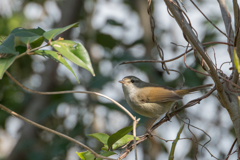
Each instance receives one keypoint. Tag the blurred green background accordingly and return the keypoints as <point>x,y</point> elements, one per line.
<point>113,31</point>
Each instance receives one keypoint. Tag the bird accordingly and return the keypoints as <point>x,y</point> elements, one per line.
<point>152,100</point>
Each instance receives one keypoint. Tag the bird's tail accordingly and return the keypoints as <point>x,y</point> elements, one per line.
<point>183,92</point>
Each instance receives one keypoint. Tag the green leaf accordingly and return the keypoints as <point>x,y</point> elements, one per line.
<point>105,147</point>
<point>101,137</point>
<point>55,32</point>
<point>86,155</point>
<point>74,52</point>
<point>118,135</point>
<point>29,35</point>
<point>57,57</point>
<point>106,154</point>
<point>124,140</point>
<point>7,48</point>
<point>236,60</point>
<point>22,32</point>
<point>37,43</point>
<point>5,64</point>
<point>21,49</point>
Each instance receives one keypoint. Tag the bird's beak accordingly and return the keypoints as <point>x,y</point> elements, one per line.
<point>121,82</point>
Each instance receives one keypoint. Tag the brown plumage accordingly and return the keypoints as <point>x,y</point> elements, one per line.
<point>152,100</point>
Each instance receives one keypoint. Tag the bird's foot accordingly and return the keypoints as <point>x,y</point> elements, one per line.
<point>168,116</point>
<point>149,133</point>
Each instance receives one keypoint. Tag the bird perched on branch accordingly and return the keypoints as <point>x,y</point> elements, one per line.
<point>152,100</point>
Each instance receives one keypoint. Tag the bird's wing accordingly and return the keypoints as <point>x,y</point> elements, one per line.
<point>157,95</point>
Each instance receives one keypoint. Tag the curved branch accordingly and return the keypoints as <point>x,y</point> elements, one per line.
<point>237,36</point>
<point>163,120</point>
<point>169,60</point>
<point>67,92</point>
<point>210,21</point>
<point>192,39</point>
<point>53,131</point>
<point>27,52</point>
<point>228,25</point>
<point>156,61</point>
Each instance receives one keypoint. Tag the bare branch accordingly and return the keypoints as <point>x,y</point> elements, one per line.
<point>154,39</point>
<point>229,153</point>
<point>169,60</point>
<point>192,141</point>
<point>187,30</point>
<point>237,36</point>
<point>67,92</point>
<point>189,104</point>
<point>210,21</point>
<point>156,61</point>
<point>228,25</point>
<point>53,131</point>
<point>192,68</point>
<point>163,120</point>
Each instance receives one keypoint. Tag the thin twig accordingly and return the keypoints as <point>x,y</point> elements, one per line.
<point>169,60</point>
<point>183,79</point>
<point>52,131</point>
<point>235,85</point>
<point>229,153</point>
<point>154,39</point>
<point>134,135</point>
<point>190,140</point>
<point>215,56</point>
<point>194,69</point>
<point>156,61</point>
<point>163,120</point>
<point>224,63</point>
<point>189,104</point>
<point>210,21</point>
<point>197,129</point>
<point>27,52</point>
<point>182,22</point>
<point>195,138</point>
<point>235,91</point>
<point>67,92</point>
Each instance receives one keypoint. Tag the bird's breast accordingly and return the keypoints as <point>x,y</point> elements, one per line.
<point>147,109</point>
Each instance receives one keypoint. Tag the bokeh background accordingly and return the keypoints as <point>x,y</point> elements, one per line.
<point>113,31</point>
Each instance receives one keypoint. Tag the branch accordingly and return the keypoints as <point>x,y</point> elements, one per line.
<point>189,104</point>
<point>53,131</point>
<point>171,155</point>
<point>27,52</point>
<point>154,39</point>
<point>237,36</point>
<point>193,40</point>
<point>190,35</point>
<point>228,25</point>
<point>169,60</point>
<point>233,107</point>
<point>210,21</point>
<point>67,92</point>
<point>163,120</point>
<point>229,153</point>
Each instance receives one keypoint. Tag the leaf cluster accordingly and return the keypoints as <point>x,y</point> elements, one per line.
<point>34,40</point>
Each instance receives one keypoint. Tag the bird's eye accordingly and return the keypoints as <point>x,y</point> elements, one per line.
<point>132,81</point>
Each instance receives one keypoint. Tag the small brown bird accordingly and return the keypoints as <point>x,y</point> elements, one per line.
<point>152,100</point>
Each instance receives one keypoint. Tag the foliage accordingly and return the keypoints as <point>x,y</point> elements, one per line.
<point>113,142</point>
<point>73,51</point>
